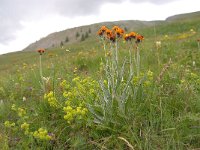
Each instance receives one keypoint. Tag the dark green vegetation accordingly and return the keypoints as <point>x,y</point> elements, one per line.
<point>77,105</point>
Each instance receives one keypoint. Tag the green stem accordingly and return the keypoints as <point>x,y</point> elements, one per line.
<point>41,74</point>
<point>138,60</point>
<point>131,65</point>
<point>158,55</point>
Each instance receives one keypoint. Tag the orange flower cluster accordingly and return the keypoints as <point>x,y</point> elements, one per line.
<point>113,34</point>
<point>102,30</point>
<point>41,51</point>
<point>133,35</point>
<point>139,38</point>
<point>117,32</point>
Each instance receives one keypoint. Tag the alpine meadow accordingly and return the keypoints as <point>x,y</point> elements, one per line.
<point>125,85</point>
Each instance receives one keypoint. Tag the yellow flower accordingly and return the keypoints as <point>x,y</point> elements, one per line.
<point>13,107</point>
<point>42,134</point>
<point>68,108</point>
<point>25,126</point>
<point>51,99</point>
<point>9,124</point>
<point>21,112</point>
<point>68,116</point>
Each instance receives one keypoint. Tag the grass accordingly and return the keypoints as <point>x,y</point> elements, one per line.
<point>92,102</point>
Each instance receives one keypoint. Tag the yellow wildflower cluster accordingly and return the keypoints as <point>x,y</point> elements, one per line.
<point>64,85</point>
<point>74,113</point>
<point>9,124</point>
<point>146,80</point>
<point>25,127</point>
<point>51,99</point>
<point>77,94</point>
<point>20,111</point>
<point>13,107</point>
<point>42,134</point>
<point>80,89</point>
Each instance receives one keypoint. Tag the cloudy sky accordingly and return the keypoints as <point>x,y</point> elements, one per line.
<point>25,21</point>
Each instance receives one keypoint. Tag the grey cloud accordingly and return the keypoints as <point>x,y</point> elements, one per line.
<point>14,11</point>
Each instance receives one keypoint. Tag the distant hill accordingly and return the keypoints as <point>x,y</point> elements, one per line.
<point>185,17</point>
<point>77,34</point>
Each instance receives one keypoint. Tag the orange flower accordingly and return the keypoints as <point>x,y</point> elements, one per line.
<point>139,38</point>
<point>115,28</point>
<point>127,37</point>
<point>119,31</point>
<point>100,33</point>
<point>111,36</point>
<point>102,30</point>
<point>41,51</point>
<point>108,32</point>
<point>132,35</point>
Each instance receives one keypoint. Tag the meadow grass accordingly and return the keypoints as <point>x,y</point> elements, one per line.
<point>97,101</point>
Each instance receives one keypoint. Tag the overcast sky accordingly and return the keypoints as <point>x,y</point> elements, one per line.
<point>24,21</point>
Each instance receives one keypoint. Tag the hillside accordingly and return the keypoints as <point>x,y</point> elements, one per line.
<point>184,17</point>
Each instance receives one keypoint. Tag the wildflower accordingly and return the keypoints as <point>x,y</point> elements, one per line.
<point>132,35</point>
<point>108,32</point>
<point>118,31</point>
<point>166,36</point>
<point>51,99</point>
<point>112,37</point>
<point>67,50</point>
<point>42,134</point>
<point>9,124</point>
<point>139,38</point>
<point>41,51</point>
<point>115,28</point>
<point>158,44</point>
<point>102,30</point>
<point>75,70</point>
<point>21,112</point>
<point>13,107</point>
<point>193,63</point>
<point>24,99</point>
<point>46,79</point>
<point>68,109</point>
<point>150,75</point>
<point>127,37</point>
<point>25,126</point>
